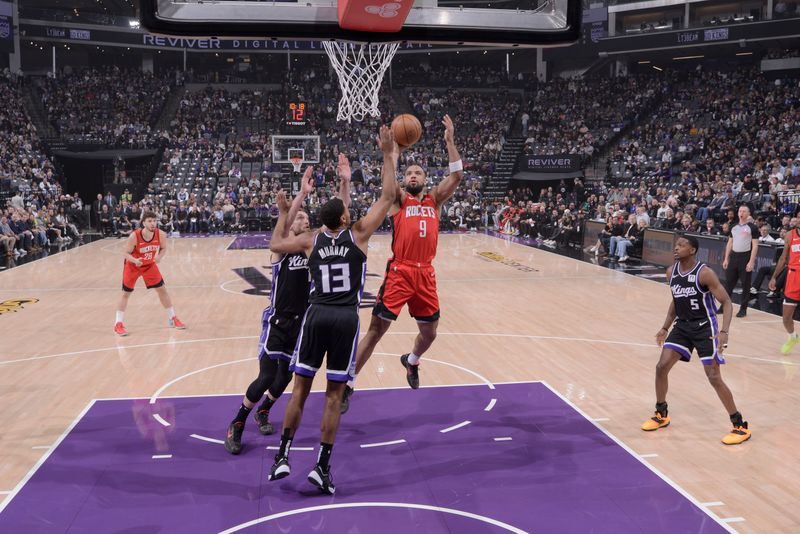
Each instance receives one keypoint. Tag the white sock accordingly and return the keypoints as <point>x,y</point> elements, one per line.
<point>120,314</point>
<point>171,312</point>
<point>413,359</point>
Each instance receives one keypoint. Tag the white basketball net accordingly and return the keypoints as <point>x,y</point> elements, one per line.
<point>360,68</point>
<point>296,163</point>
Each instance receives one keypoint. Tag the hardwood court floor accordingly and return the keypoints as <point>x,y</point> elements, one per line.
<point>509,313</point>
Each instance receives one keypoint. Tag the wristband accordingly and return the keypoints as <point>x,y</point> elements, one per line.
<point>723,331</point>
<point>456,166</point>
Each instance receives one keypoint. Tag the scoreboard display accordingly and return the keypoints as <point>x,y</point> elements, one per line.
<point>296,117</point>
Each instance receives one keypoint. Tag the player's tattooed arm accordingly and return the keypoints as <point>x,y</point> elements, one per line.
<point>448,186</point>
<point>345,173</point>
<point>709,279</point>
<point>782,262</point>
<point>306,187</point>
<point>281,242</point>
<point>661,335</point>
<point>367,225</point>
<point>130,245</point>
<point>162,249</point>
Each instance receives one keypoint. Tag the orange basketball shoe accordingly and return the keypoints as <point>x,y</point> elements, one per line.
<point>176,323</point>
<point>655,422</point>
<point>738,435</point>
<point>119,329</point>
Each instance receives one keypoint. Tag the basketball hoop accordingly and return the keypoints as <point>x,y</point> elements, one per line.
<point>360,67</point>
<point>297,162</point>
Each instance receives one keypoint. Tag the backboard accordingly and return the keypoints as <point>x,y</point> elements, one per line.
<point>450,22</point>
<point>285,147</point>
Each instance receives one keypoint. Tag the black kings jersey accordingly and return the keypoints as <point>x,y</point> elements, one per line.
<point>693,301</point>
<point>338,268</point>
<point>290,284</point>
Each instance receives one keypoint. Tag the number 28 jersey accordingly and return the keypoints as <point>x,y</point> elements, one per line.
<point>146,251</point>
<point>338,268</point>
<point>415,230</point>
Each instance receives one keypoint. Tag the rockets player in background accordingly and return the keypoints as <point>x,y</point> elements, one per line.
<point>791,293</point>
<point>410,277</point>
<point>143,250</point>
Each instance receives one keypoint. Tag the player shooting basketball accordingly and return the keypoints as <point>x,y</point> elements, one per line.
<point>410,277</point>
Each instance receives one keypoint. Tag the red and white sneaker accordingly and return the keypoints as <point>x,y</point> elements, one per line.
<point>119,329</point>
<point>177,324</point>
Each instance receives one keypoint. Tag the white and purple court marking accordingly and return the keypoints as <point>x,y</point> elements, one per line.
<point>465,459</point>
<point>250,241</point>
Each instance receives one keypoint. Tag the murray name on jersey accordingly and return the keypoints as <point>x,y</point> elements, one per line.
<point>337,268</point>
<point>333,250</point>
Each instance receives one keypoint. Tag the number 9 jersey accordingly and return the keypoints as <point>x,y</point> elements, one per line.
<point>410,277</point>
<point>415,230</point>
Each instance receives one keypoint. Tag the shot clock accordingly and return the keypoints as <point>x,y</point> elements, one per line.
<point>296,117</point>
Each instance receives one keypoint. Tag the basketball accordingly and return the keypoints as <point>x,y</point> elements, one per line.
<point>407,130</point>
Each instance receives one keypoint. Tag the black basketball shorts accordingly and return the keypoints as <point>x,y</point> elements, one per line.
<point>687,336</point>
<point>279,332</point>
<point>328,332</point>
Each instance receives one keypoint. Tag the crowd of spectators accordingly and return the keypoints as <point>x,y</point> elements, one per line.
<point>412,73</point>
<point>109,106</point>
<point>717,140</point>
<point>700,144</point>
<point>218,161</point>
<point>723,139</point>
<point>37,213</point>
<point>223,115</point>
<point>581,116</point>
<point>786,10</point>
<point>782,53</point>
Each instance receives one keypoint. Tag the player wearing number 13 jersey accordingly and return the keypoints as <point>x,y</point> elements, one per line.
<point>337,255</point>
<point>694,286</point>
<point>143,250</point>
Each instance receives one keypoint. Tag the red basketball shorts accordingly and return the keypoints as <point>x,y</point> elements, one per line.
<point>792,289</point>
<point>407,283</point>
<point>150,274</point>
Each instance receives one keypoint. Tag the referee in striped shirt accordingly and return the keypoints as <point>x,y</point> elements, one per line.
<point>740,257</point>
